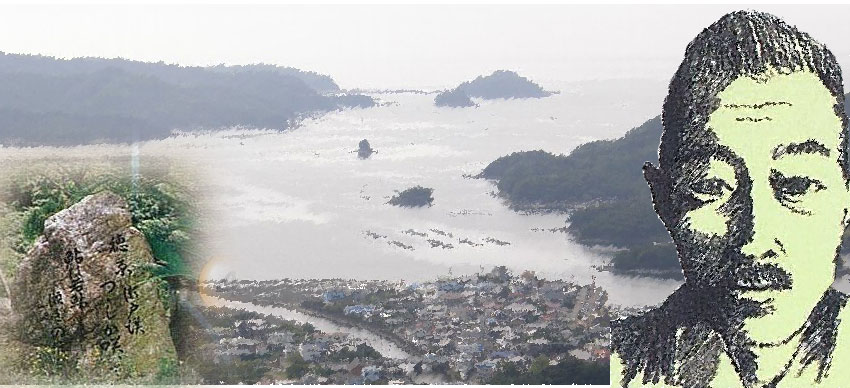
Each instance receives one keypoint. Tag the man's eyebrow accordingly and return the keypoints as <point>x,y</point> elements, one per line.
<point>753,119</point>
<point>758,106</point>
<point>807,147</point>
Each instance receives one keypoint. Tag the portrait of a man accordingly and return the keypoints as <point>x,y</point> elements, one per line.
<point>752,185</point>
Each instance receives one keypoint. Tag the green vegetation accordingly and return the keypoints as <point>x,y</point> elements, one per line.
<point>160,205</point>
<point>568,371</point>
<point>363,351</point>
<point>658,260</point>
<point>24,63</point>
<point>416,196</point>
<point>49,101</point>
<point>601,184</point>
<point>159,208</point>
<point>297,366</point>
<point>599,170</point>
<point>621,223</point>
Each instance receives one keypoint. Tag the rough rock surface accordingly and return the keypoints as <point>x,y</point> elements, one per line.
<point>85,288</point>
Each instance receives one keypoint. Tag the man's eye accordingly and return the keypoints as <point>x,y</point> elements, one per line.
<point>713,186</point>
<point>791,189</point>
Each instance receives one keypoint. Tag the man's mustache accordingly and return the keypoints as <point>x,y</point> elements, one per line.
<point>751,276</point>
<point>719,262</point>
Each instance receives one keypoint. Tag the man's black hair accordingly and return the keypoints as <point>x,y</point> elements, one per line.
<point>740,44</point>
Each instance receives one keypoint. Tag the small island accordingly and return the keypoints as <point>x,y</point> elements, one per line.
<point>417,196</point>
<point>454,98</point>
<point>501,84</point>
<point>364,149</point>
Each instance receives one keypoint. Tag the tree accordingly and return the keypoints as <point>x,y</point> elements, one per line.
<point>297,366</point>
<point>538,365</point>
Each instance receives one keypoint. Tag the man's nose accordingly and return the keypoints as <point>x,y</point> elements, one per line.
<point>763,242</point>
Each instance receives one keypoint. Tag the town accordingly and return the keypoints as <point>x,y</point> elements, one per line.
<point>485,328</point>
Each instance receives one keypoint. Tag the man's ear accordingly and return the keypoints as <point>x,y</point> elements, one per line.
<point>661,186</point>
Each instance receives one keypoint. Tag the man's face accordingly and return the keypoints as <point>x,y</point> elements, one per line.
<point>762,200</point>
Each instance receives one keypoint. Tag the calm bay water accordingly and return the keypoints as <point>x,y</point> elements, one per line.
<point>300,204</point>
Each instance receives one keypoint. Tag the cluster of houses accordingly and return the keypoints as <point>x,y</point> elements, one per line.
<point>273,345</point>
<point>457,329</point>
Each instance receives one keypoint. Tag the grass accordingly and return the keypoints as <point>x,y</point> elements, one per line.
<point>160,208</point>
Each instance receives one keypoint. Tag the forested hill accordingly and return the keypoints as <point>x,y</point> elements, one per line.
<point>49,101</point>
<point>599,170</point>
<point>181,75</point>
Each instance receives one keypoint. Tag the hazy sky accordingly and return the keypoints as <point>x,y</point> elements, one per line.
<point>398,46</point>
